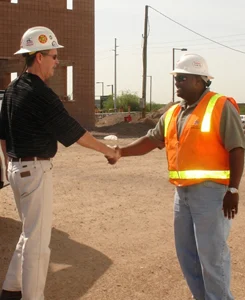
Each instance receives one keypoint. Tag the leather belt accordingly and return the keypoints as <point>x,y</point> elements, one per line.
<point>32,158</point>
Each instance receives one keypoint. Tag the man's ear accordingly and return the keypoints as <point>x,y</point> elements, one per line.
<point>39,57</point>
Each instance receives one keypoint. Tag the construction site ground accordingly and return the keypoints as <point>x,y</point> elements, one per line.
<point>112,236</point>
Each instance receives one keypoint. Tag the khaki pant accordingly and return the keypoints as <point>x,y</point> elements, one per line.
<point>32,186</point>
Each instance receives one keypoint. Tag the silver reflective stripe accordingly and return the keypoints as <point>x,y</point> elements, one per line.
<point>168,118</point>
<point>206,123</point>
<point>199,174</point>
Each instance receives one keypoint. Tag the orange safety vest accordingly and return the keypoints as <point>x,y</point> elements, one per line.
<point>198,155</point>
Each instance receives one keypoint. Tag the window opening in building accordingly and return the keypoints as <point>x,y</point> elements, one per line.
<point>69,73</point>
<point>13,76</point>
<point>69,4</point>
<point>14,1</point>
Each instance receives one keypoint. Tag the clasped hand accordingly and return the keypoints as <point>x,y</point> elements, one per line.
<point>114,156</point>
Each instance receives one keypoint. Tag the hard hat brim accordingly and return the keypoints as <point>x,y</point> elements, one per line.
<point>181,71</point>
<point>22,50</point>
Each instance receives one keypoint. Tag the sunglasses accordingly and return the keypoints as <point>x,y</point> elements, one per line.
<point>180,78</point>
<point>54,56</point>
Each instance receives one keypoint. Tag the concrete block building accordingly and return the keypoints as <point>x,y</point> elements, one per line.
<point>72,21</point>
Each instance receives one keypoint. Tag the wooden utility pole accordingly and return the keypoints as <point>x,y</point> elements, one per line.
<point>145,63</point>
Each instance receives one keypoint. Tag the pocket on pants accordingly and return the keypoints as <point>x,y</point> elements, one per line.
<point>28,179</point>
<point>46,165</point>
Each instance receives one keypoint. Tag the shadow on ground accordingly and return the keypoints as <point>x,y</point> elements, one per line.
<point>74,267</point>
<point>122,130</point>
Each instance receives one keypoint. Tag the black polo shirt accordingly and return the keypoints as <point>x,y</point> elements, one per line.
<point>33,119</point>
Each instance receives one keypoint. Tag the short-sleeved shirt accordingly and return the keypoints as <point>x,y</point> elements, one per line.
<point>231,131</point>
<point>33,119</point>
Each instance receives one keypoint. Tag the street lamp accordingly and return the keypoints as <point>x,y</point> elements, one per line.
<point>111,88</point>
<point>150,89</point>
<point>112,93</point>
<point>102,85</point>
<point>180,49</point>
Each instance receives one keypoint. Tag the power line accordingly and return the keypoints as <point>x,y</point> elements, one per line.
<point>166,50</point>
<point>203,36</point>
<point>158,45</point>
<point>193,43</point>
<point>193,40</point>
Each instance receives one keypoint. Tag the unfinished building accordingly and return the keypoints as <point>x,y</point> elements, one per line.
<point>72,21</point>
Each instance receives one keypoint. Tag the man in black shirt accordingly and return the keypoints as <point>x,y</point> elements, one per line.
<point>32,120</point>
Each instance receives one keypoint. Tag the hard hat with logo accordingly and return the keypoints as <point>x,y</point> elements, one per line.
<point>38,38</point>
<point>192,64</point>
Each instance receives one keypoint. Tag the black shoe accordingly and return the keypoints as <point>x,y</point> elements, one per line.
<point>8,295</point>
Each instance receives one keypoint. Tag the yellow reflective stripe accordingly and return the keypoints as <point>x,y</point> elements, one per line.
<point>206,123</point>
<point>168,117</point>
<point>199,174</point>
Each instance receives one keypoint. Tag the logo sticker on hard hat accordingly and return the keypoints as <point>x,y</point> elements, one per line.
<point>42,39</point>
<point>29,42</point>
<point>197,64</point>
<point>54,44</point>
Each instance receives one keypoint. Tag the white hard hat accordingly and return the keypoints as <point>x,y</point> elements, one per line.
<point>192,64</point>
<point>38,39</point>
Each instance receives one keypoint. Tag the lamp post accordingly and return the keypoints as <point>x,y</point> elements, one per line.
<point>112,93</point>
<point>102,85</point>
<point>150,89</point>
<point>180,49</point>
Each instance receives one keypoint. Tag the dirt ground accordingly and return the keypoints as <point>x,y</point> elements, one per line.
<point>112,233</point>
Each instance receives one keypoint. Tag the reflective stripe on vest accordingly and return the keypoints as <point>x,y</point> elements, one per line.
<point>168,118</point>
<point>206,124</point>
<point>199,174</point>
<point>208,113</point>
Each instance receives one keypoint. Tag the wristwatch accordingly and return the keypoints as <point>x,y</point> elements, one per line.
<point>232,190</point>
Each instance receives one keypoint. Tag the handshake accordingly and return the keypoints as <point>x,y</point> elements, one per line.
<point>113,155</point>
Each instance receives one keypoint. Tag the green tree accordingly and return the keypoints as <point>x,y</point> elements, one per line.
<point>128,99</point>
<point>108,104</point>
<point>123,101</point>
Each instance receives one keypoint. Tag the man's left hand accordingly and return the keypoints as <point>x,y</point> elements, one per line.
<point>230,205</point>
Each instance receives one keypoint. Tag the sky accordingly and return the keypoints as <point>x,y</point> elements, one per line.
<point>222,21</point>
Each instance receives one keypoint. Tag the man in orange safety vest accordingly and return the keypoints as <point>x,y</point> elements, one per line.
<point>205,144</point>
